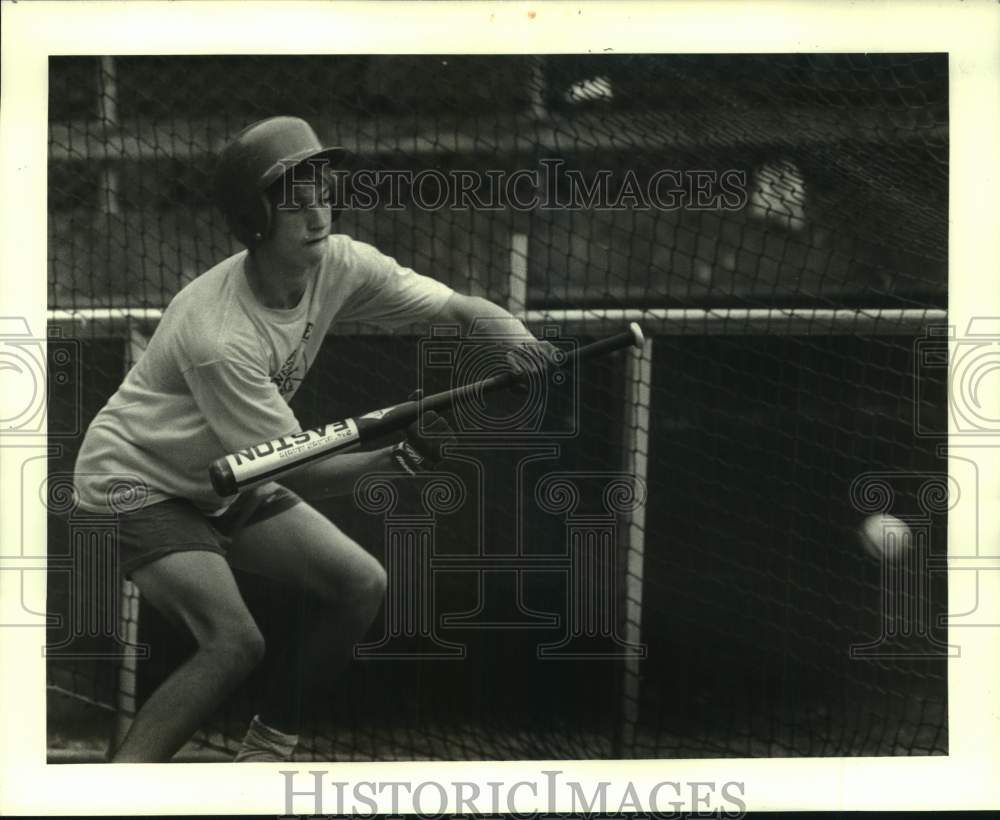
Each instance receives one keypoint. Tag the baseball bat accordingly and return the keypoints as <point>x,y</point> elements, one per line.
<point>268,460</point>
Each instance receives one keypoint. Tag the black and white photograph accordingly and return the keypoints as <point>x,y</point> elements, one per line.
<point>485,405</point>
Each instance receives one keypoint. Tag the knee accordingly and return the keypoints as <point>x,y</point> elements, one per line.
<point>252,646</point>
<point>373,584</point>
<point>240,647</point>
<point>364,586</point>
<point>249,645</point>
<point>367,591</point>
<point>353,578</point>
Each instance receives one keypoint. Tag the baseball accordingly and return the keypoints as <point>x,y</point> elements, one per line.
<point>884,536</point>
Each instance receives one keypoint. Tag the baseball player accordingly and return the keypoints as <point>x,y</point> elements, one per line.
<point>230,352</point>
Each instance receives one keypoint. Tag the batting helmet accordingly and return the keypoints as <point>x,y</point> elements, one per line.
<point>256,158</point>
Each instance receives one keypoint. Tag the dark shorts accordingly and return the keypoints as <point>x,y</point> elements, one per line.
<point>177,525</point>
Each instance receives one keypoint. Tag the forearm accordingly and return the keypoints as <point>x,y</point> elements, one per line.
<point>338,475</point>
<point>487,318</point>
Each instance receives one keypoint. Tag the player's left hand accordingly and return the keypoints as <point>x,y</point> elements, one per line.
<point>424,443</point>
<point>530,359</point>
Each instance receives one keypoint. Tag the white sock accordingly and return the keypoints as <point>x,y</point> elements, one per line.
<point>263,743</point>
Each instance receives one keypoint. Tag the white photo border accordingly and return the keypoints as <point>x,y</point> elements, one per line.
<point>968,31</point>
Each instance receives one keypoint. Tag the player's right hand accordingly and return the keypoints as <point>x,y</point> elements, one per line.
<point>530,360</point>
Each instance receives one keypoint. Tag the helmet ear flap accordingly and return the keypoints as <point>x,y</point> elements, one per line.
<point>251,223</point>
<point>261,220</point>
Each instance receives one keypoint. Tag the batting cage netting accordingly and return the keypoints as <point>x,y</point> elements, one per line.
<point>664,559</point>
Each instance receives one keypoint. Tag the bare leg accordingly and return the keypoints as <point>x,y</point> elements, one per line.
<point>197,589</point>
<point>303,549</point>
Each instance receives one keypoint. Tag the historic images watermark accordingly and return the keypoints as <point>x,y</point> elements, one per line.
<point>98,618</point>
<point>40,372</point>
<point>905,510</point>
<point>314,792</point>
<point>44,406</point>
<point>899,535</point>
<point>969,364</point>
<point>589,562</point>
<point>517,445</point>
<point>551,186</point>
<point>448,361</point>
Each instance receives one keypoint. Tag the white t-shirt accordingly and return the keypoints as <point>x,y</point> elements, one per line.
<point>220,368</point>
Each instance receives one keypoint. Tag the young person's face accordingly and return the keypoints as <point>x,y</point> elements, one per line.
<point>301,221</point>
